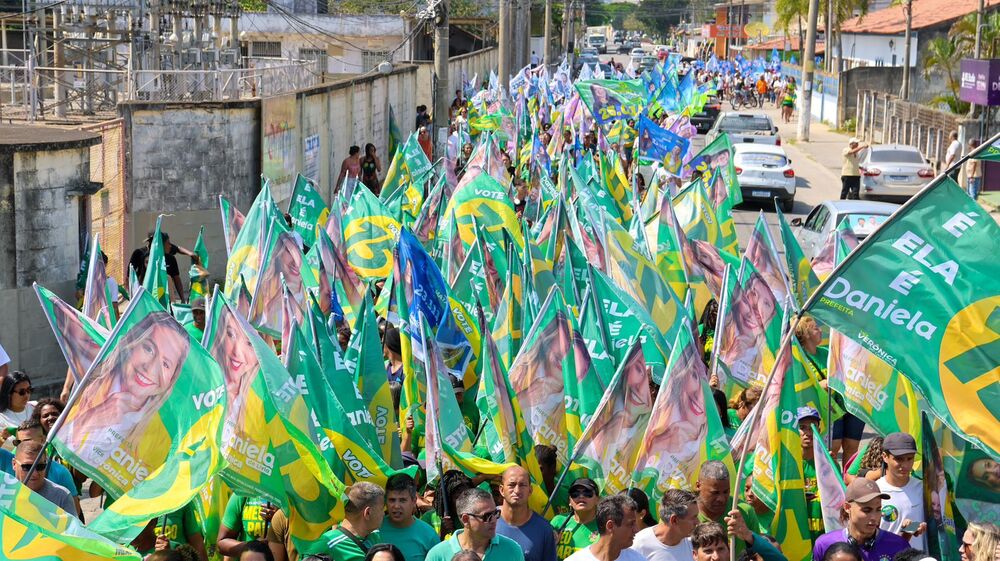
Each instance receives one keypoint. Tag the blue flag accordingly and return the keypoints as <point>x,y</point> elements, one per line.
<point>657,144</point>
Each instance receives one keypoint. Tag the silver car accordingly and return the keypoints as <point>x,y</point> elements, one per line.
<point>893,171</point>
<point>755,128</point>
<point>765,172</point>
<point>863,218</point>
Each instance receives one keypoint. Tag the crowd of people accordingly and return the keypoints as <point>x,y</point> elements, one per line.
<point>491,517</point>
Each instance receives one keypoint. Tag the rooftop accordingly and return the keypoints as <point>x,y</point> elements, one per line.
<point>779,44</point>
<point>926,13</point>
<point>26,138</point>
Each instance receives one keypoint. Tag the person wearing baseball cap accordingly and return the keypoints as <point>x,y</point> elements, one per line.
<point>578,530</point>
<point>807,417</point>
<point>903,511</point>
<point>196,327</point>
<point>850,172</point>
<point>863,506</point>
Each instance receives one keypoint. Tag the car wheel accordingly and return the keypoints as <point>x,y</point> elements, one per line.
<point>787,204</point>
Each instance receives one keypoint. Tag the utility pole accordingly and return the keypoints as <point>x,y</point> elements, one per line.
<point>441,89</point>
<point>828,59</point>
<point>808,70</point>
<point>505,39</point>
<point>572,32</point>
<point>547,52</point>
<point>979,28</point>
<point>908,10</point>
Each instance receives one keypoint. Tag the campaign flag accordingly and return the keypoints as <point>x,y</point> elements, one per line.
<point>156,281</point>
<point>370,232</point>
<point>146,420</point>
<point>199,270</point>
<point>616,183</point>
<point>364,355</point>
<point>611,100</point>
<point>585,387</point>
<point>657,144</point>
<point>232,221</point>
<point>683,431</point>
<point>804,280</point>
<point>696,215</point>
<point>34,529</point>
<point>281,266</point>
<point>403,187</point>
<point>484,200</point>
<point>344,280</point>
<point>308,210</point>
<point>872,390</point>
<point>245,256</point>
<point>750,327</point>
<point>778,478</point>
<point>395,137</point>
<point>920,293</point>
<point>761,253</point>
<point>538,372</point>
<point>832,491</point>
<point>942,543</point>
<point>80,338</point>
<point>990,151</point>
<point>609,442</point>
<point>98,300</point>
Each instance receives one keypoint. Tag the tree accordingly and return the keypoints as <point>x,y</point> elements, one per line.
<point>963,33</point>
<point>943,55</point>
<point>659,15</point>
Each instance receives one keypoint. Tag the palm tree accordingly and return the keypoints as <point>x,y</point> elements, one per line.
<point>944,55</point>
<point>963,32</point>
<point>788,11</point>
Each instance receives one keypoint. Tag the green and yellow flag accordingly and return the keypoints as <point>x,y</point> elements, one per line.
<point>80,338</point>
<point>199,280</point>
<point>920,293</point>
<point>245,255</point>
<point>34,529</point>
<point>403,188</point>
<point>308,210</point>
<point>483,200</point>
<point>370,232</point>
<point>146,421</point>
<point>98,300</point>
<point>156,281</point>
<point>800,271</point>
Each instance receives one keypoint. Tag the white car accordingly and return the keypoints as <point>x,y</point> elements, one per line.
<point>862,216</point>
<point>893,171</point>
<point>756,128</point>
<point>765,172</point>
<point>636,57</point>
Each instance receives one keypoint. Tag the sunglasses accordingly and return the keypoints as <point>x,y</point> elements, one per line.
<point>41,466</point>
<point>23,391</point>
<point>488,517</point>
<point>578,493</point>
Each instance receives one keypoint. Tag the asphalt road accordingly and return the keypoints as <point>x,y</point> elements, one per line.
<point>814,183</point>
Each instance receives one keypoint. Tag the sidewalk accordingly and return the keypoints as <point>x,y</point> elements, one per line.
<point>824,146</point>
<point>990,200</point>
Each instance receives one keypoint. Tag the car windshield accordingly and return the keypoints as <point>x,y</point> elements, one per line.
<point>745,123</point>
<point>896,156</point>
<point>761,159</point>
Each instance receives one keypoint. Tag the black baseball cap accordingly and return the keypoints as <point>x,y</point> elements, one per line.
<point>584,483</point>
<point>899,443</point>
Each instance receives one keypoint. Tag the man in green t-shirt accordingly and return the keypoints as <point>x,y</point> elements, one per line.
<point>244,520</point>
<point>479,515</point>
<point>182,527</point>
<point>578,530</point>
<point>413,537</point>
<point>715,499</point>
<point>807,417</point>
<point>363,515</point>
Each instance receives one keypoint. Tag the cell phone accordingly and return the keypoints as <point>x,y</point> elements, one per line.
<point>910,528</point>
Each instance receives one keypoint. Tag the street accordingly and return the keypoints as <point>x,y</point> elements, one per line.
<point>816,168</point>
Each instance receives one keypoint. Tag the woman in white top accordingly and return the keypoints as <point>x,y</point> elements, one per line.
<point>15,400</point>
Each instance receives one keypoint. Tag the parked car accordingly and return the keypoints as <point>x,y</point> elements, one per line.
<point>647,63</point>
<point>752,128</point>
<point>705,120</point>
<point>765,172</point>
<point>893,171</point>
<point>862,216</point>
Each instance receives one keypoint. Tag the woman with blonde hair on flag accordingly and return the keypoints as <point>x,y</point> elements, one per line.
<point>124,391</point>
<point>981,542</point>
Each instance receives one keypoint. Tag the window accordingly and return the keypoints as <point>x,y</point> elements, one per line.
<point>314,54</point>
<point>742,122</point>
<point>818,219</point>
<point>371,59</point>
<point>265,49</point>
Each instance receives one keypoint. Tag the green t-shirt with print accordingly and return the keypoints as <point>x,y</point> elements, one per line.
<point>572,535</point>
<point>243,513</point>
<point>343,547</point>
<point>178,525</point>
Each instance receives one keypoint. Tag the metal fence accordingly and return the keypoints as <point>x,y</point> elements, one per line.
<point>38,92</point>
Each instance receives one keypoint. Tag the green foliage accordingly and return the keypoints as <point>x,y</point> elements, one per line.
<point>614,14</point>
<point>659,15</point>
<point>457,8</point>
<point>963,33</point>
<point>253,6</point>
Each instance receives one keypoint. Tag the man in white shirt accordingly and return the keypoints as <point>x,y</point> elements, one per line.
<point>616,523</point>
<point>903,512</point>
<point>668,540</point>
<point>954,151</point>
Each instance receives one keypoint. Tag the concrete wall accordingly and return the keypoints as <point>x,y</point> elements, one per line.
<point>824,95</point>
<point>180,158</point>
<point>881,79</point>
<point>40,231</point>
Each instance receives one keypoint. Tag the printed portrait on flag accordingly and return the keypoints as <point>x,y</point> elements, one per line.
<point>234,352</point>
<point>78,346</point>
<point>680,426</point>
<point>623,420</point>
<point>606,105</point>
<point>126,388</point>
<point>657,144</point>
<point>283,263</point>
<point>753,308</point>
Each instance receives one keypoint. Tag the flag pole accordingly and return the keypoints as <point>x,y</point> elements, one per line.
<point>754,414</point>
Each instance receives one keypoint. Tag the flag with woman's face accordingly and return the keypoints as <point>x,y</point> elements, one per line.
<point>146,421</point>
<point>79,337</point>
